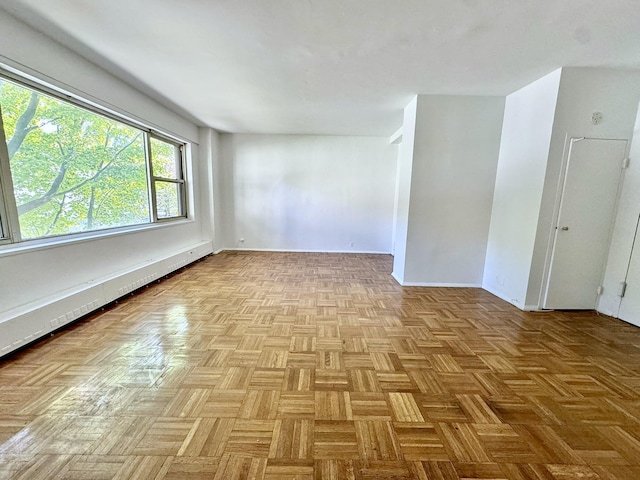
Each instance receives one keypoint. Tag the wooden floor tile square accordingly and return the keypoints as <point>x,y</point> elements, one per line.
<point>197,468</point>
<point>223,403</point>
<point>299,379</point>
<point>404,408</point>
<point>462,443</point>
<point>477,409</point>
<point>355,345</point>
<point>267,379</point>
<point>396,382</point>
<point>364,381</point>
<point>207,438</point>
<point>260,404</point>
<point>333,406</point>
<point>331,380</point>
<point>353,360</point>
<point>292,438</point>
<point>331,360</point>
<point>420,442</point>
<point>328,344</point>
<point>235,378</point>
<point>300,405</point>
<point>377,440</point>
<point>164,437</point>
<point>335,440</point>
<point>250,438</point>
<point>386,362</point>
<point>301,360</point>
<point>187,402</point>
<point>370,406</point>
<point>503,444</point>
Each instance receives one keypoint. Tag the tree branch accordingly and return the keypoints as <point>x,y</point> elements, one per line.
<point>55,219</point>
<point>22,125</point>
<point>53,190</point>
<point>55,186</point>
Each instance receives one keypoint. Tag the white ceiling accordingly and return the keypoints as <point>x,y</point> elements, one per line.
<point>333,66</point>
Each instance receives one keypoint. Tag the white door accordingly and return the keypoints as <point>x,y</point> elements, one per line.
<point>585,219</point>
<point>630,304</point>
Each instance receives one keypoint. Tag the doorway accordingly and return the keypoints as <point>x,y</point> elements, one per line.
<point>584,222</point>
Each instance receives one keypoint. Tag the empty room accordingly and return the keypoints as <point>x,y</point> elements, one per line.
<point>300,239</point>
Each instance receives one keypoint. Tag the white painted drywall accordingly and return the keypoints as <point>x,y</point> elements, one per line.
<point>33,276</point>
<point>614,93</point>
<point>524,149</point>
<point>211,186</point>
<point>310,193</point>
<point>623,235</point>
<point>455,155</point>
<point>403,190</point>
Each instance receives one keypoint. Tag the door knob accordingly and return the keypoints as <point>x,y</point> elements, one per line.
<point>565,228</point>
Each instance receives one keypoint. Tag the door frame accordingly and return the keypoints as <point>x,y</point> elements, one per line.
<point>569,141</point>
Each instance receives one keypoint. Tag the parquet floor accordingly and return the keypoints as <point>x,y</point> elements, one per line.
<point>319,366</point>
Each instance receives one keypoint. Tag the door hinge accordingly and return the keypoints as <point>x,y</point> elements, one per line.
<point>625,162</point>
<point>599,290</point>
<point>623,289</point>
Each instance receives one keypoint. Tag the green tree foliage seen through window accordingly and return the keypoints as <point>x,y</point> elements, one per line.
<point>72,170</point>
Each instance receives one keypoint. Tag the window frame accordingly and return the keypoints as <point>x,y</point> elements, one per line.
<point>153,200</point>
<point>9,226</point>
<point>9,220</point>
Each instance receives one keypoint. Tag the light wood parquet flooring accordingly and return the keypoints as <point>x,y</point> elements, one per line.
<point>319,366</point>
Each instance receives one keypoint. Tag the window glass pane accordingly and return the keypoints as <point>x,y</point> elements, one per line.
<point>168,199</point>
<point>72,170</point>
<point>166,159</point>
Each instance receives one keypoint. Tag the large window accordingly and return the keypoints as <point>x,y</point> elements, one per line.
<point>66,169</point>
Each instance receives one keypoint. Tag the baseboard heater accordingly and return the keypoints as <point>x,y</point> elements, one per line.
<point>20,327</point>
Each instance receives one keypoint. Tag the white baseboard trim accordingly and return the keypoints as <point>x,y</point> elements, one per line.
<point>501,296</point>
<point>393,274</point>
<point>21,326</point>
<point>441,285</point>
<point>532,308</point>
<point>295,250</point>
<point>630,322</point>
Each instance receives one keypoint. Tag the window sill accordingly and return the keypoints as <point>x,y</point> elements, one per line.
<point>10,249</point>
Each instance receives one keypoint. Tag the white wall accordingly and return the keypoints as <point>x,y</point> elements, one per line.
<point>211,186</point>
<point>614,93</point>
<point>454,164</point>
<point>524,149</point>
<point>32,276</point>
<point>403,186</point>
<point>310,193</point>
